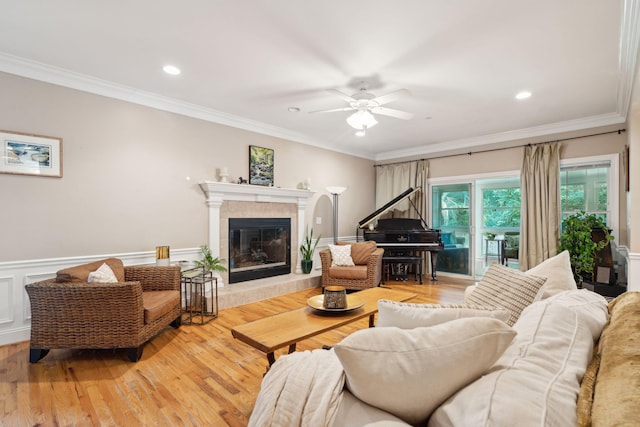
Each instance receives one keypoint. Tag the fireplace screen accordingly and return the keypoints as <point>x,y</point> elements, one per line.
<point>259,247</point>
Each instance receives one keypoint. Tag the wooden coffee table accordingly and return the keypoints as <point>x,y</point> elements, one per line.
<point>286,329</point>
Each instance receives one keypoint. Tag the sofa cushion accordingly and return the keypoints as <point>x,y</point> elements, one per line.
<point>158,303</point>
<point>557,271</point>
<point>361,251</point>
<point>341,255</point>
<point>589,306</point>
<point>104,274</point>
<point>409,372</point>
<point>407,315</point>
<point>356,272</point>
<point>507,288</point>
<point>535,382</point>
<point>80,273</point>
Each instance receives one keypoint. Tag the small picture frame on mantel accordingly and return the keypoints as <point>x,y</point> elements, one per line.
<point>261,161</point>
<point>27,154</point>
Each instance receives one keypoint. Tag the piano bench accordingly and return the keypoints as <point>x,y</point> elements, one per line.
<point>415,260</point>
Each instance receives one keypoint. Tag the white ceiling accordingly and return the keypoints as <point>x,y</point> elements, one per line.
<point>244,63</point>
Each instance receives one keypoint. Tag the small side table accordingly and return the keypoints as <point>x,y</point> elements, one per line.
<point>199,304</point>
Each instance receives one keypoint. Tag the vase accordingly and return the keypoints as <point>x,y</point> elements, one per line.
<point>307,265</point>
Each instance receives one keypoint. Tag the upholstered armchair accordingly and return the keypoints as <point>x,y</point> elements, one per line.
<point>365,273</point>
<point>510,246</point>
<point>69,312</point>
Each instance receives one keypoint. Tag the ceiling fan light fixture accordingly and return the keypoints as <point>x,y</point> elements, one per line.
<point>362,119</point>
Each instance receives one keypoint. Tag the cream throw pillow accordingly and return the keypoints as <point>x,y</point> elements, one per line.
<point>406,315</point>
<point>507,288</point>
<point>104,274</point>
<point>409,373</point>
<point>535,382</point>
<point>341,256</point>
<point>557,270</point>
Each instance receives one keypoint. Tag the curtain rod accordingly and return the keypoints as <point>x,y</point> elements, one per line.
<point>619,131</point>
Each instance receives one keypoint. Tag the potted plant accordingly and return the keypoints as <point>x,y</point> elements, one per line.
<point>208,262</point>
<point>577,237</point>
<point>307,248</point>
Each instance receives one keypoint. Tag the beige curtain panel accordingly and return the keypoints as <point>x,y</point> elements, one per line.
<point>540,209</point>
<point>392,180</point>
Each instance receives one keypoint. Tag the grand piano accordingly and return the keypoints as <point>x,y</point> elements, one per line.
<point>403,236</point>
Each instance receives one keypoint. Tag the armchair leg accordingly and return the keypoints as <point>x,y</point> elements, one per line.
<point>177,322</point>
<point>134,353</point>
<point>35,354</point>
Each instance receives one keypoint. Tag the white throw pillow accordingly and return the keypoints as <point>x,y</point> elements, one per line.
<point>557,270</point>
<point>406,315</point>
<point>410,372</point>
<point>104,274</point>
<point>507,288</point>
<point>341,256</point>
<point>535,382</point>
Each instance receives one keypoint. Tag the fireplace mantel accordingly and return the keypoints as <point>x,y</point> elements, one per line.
<point>218,192</point>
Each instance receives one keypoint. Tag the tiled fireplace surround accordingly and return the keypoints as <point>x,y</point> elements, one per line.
<point>224,201</point>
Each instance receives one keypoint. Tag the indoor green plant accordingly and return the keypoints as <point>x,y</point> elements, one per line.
<point>307,248</point>
<point>577,238</point>
<point>208,262</point>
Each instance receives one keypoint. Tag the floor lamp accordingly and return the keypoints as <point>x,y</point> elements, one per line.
<point>335,192</point>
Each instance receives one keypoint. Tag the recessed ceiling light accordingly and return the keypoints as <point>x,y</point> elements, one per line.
<point>361,133</point>
<point>171,69</point>
<point>294,109</point>
<point>523,95</point>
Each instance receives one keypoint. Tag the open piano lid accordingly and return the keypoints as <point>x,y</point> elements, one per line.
<point>369,219</point>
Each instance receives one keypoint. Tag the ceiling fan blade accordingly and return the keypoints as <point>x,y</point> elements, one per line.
<point>342,95</point>
<point>333,110</point>
<point>393,113</point>
<point>391,96</point>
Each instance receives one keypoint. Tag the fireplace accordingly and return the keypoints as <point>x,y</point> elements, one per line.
<point>258,248</point>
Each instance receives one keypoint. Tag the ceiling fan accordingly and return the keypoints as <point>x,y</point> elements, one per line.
<point>366,104</point>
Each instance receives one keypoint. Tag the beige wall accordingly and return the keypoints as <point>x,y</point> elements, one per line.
<point>131,175</point>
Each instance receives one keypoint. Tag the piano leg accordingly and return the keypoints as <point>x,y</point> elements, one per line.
<point>434,261</point>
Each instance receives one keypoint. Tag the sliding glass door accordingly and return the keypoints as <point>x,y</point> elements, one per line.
<point>451,213</point>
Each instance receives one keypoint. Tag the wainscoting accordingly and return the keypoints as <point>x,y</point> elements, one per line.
<point>15,310</point>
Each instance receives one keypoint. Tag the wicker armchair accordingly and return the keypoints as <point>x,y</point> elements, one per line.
<point>367,272</point>
<point>81,315</point>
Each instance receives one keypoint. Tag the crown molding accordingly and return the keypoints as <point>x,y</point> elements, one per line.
<point>12,64</point>
<point>516,135</point>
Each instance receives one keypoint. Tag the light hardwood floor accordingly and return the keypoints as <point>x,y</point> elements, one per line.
<point>194,376</point>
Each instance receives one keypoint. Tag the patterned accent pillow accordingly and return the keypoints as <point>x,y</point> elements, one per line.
<point>507,288</point>
<point>341,256</point>
<point>104,274</point>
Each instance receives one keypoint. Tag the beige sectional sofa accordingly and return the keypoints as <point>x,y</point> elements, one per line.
<point>562,357</point>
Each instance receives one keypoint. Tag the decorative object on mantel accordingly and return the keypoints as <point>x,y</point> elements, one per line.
<point>162,256</point>
<point>208,261</point>
<point>26,154</point>
<point>307,248</point>
<point>335,192</point>
<point>261,162</point>
<point>224,174</point>
<point>306,184</point>
<point>241,180</point>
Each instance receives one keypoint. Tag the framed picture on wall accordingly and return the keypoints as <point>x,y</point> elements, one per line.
<point>260,166</point>
<point>26,154</point>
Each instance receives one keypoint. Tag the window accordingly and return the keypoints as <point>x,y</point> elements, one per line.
<point>584,188</point>
<point>591,184</point>
<point>500,209</point>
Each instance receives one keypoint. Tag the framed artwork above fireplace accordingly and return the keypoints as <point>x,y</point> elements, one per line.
<point>261,166</point>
